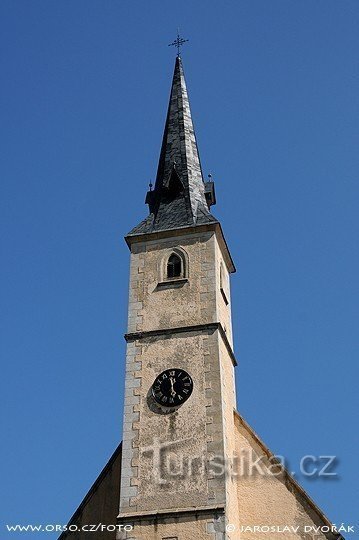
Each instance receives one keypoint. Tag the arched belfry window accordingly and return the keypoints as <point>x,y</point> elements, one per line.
<point>174,266</point>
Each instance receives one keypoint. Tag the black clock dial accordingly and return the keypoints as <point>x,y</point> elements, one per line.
<point>172,387</point>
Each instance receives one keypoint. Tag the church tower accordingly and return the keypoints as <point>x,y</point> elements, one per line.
<point>180,388</point>
<point>181,471</point>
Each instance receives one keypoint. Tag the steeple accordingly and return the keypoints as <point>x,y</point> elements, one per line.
<point>180,198</point>
<point>177,472</point>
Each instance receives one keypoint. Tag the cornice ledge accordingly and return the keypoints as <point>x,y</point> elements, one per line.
<point>170,512</point>
<point>164,233</point>
<point>134,336</point>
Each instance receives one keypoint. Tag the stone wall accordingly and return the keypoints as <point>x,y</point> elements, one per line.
<point>264,499</point>
<point>179,325</point>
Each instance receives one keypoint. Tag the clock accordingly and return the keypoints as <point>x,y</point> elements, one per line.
<point>172,387</point>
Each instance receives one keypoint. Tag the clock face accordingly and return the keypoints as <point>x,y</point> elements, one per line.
<point>172,387</point>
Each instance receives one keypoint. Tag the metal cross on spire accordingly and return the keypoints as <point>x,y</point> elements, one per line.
<point>178,42</point>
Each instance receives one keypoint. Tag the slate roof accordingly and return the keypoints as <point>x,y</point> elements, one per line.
<point>178,199</point>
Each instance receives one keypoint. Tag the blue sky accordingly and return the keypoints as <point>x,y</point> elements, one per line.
<point>274,94</point>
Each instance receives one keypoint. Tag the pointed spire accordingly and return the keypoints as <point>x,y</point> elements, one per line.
<point>180,197</point>
<point>179,148</point>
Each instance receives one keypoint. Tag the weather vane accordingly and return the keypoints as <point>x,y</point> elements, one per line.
<point>178,42</point>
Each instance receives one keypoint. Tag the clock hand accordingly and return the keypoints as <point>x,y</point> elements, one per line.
<point>173,393</point>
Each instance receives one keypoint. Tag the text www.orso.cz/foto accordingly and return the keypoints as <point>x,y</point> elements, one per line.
<point>51,527</point>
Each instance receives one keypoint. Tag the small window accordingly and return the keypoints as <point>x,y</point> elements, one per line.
<point>174,266</point>
<point>223,284</point>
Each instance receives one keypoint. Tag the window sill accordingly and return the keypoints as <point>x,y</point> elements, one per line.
<point>175,282</point>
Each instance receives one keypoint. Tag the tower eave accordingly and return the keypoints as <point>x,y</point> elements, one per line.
<point>132,238</point>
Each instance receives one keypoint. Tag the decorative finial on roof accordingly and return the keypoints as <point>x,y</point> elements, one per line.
<point>178,42</point>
